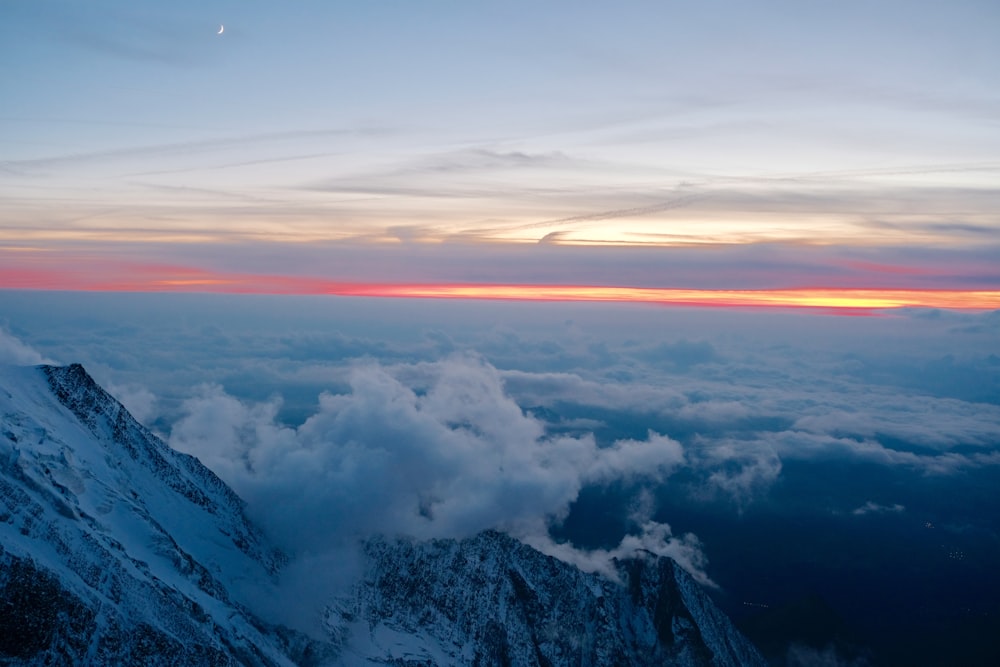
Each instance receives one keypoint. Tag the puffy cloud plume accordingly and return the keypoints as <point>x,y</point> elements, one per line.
<point>139,401</point>
<point>447,454</point>
<point>628,458</point>
<point>14,351</point>
<point>654,538</point>
<point>741,472</point>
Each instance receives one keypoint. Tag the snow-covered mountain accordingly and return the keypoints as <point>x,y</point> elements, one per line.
<point>116,549</point>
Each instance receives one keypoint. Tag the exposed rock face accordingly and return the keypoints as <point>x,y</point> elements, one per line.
<point>491,600</point>
<point>116,549</point>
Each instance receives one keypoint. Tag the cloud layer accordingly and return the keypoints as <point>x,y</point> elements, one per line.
<point>447,455</point>
<point>443,418</point>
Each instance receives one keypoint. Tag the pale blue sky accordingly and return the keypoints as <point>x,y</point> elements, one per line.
<point>847,123</point>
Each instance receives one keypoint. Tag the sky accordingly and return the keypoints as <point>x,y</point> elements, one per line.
<point>452,148</point>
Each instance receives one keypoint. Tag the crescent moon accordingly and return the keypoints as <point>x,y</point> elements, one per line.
<point>222,29</point>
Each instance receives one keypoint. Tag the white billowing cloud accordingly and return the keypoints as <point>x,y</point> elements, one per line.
<point>938,423</point>
<point>139,401</point>
<point>449,458</point>
<point>741,470</point>
<point>801,445</point>
<point>657,455</point>
<point>15,352</point>
<point>655,538</point>
<point>811,416</point>
<point>221,431</point>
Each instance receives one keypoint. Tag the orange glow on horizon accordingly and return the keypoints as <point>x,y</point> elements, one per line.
<point>164,278</point>
<point>825,298</point>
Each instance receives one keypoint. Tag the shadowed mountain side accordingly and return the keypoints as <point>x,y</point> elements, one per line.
<point>491,600</point>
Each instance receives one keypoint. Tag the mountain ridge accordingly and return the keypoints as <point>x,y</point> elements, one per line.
<point>535,606</point>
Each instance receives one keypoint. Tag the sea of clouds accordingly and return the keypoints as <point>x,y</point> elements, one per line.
<point>339,418</point>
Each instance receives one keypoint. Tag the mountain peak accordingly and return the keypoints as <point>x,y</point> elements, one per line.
<point>77,390</point>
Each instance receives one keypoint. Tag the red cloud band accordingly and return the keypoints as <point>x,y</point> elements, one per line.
<point>167,278</point>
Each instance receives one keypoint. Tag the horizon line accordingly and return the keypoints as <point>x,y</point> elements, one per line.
<point>842,300</point>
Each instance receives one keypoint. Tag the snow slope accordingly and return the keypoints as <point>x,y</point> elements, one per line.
<point>115,549</point>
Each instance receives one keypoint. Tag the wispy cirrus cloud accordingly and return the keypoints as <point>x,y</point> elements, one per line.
<point>210,146</point>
